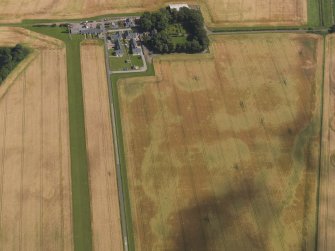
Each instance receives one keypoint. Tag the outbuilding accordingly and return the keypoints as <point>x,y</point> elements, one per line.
<point>177,6</point>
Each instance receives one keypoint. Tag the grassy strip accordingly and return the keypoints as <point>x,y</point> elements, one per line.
<point>259,28</point>
<point>27,23</point>
<point>321,145</point>
<point>114,79</point>
<point>328,12</point>
<point>313,13</point>
<point>36,21</point>
<point>82,232</point>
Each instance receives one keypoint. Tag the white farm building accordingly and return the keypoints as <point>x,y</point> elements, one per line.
<point>177,6</point>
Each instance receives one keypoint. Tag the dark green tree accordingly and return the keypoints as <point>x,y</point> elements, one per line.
<point>9,58</point>
<point>145,21</point>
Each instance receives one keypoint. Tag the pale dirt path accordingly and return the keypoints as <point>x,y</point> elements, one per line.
<point>106,223</point>
<point>35,200</point>
<point>326,240</point>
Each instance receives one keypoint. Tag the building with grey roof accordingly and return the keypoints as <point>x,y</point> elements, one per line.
<point>119,53</point>
<point>135,49</point>
<point>92,31</point>
<point>118,48</point>
<point>130,35</point>
<point>117,35</point>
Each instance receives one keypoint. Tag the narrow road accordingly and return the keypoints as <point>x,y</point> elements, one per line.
<point>117,153</point>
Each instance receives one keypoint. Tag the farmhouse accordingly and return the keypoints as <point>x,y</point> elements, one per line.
<point>178,6</point>
<point>117,36</point>
<point>92,31</point>
<point>130,35</point>
<point>118,48</point>
<point>136,50</point>
<point>129,23</point>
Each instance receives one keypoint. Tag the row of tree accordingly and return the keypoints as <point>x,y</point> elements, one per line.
<point>160,41</point>
<point>9,58</point>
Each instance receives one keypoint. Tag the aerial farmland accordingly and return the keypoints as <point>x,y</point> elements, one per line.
<point>104,194</point>
<point>327,213</point>
<point>167,126</point>
<point>218,14</point>
<point>36,211</point>
<point>223,152</point>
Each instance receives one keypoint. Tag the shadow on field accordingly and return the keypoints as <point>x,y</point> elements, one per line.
<point>227,222</point>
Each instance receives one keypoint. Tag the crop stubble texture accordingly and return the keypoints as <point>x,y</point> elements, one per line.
<point>35,183</point>
<point>326,240</point>
<point>222,151</point>
<point>218,13</point>
<point>106,225</point>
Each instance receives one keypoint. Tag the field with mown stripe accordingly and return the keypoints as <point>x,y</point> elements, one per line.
<point>326,240</point>
<point>106,225</point>
<point>222,150</point>
<point>35,178</point>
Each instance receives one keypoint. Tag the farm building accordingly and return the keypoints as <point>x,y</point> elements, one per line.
<point>178,6</point>
<point>130,35</point>
<point>136,50</point>
<point>92,31</point>
<point>117,36</point>
<point>119,53</point>
<point>118,48</point>
<point>129,23</point>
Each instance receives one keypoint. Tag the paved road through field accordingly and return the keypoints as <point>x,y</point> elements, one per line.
<point>117,154</point>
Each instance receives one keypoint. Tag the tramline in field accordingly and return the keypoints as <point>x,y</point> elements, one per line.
<point>35,180</point>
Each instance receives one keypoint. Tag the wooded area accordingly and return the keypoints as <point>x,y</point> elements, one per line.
<point>160,40</point>
<point>9,58</point>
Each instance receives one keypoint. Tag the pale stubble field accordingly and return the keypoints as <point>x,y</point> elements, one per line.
<point>222,151</point>
<point>35,181</point>
<point>106,225</point>
<point>217,13</point>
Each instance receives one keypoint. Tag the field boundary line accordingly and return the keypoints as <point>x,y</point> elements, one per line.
<point>3,162</point>
<point>60,148</point>
<point>42,151</point>
<point>22,153</point>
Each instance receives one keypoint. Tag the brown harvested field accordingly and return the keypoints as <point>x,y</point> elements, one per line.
<point>35,181</point>
<point>217,13</point>
<point>222,152</point>
<point>255,12</point>
<point>327,191</point>
<point>106,223</point>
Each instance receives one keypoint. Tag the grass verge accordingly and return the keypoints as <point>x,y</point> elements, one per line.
<point>82,232</point>
<point>328,12</point>
<point>321,145</point>
<point>313,13</point>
